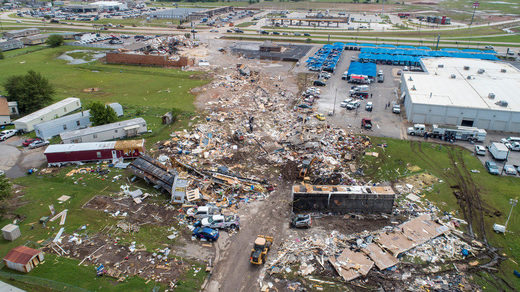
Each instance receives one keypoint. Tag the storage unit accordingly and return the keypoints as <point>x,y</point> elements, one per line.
<point>5,116</point>
<point>59,154</point>
<point>118,130</point>
<point>11,232</point>
<point>11,45</point>
<point>71,122</point>
<point>464,92</point>
<point>59,109</point>
<point>117,108</point>
<point>23,258</point>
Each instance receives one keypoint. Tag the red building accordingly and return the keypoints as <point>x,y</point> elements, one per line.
<point>95,151</point>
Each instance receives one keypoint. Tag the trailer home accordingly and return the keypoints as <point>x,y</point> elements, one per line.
<point>53,128</point>
<point>53,111</point>
<point>59,154</point>
<point>113,131</point>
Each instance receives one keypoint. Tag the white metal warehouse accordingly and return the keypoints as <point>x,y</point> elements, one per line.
<point>467,92</point>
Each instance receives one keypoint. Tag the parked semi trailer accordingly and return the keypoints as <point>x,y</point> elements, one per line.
<point>449,132</point>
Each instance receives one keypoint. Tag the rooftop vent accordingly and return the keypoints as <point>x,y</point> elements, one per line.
<point>503,70</point>
<point>502,103</point>
<point>440,65</point>
<point>466,67</point>
<point>452,76</point>
<point>480,71</point>
<point>491,95</point>
<point>469,77</point>
<point>410,78</point>
<point>413,87</point>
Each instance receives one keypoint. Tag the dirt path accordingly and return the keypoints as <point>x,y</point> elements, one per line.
<point>232,271</point>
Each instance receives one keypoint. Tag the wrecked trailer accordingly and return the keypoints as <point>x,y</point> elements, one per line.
<point>152,171</point>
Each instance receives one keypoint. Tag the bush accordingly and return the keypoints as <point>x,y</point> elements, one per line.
<point>55,40</point>
<point>100,114</point>
<point>5,187</point>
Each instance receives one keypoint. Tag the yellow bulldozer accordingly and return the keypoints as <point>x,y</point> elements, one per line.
<point>260,249</point>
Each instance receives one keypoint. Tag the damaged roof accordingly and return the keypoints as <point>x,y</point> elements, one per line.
<point>152,170</point>
<point>21,255</point>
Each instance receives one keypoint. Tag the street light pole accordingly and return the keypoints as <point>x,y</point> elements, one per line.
<point>475,5</point>
<point>334,109</point>
<point>513,203</point>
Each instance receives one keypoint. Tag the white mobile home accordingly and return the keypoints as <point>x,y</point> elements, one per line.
<point>53,111</point>
<point>53,128</point>
<point>118,130</point>
<point>117,108</point>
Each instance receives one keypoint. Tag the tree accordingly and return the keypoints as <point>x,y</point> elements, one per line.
<point>5,187</point>
<point>100,114</point>
<point>1,55</point>
<point>32,91</point>
<point>55,40</point>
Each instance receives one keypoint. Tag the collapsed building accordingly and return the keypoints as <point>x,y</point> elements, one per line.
<point>342,199</point>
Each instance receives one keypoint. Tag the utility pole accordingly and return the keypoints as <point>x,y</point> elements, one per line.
<point>438,40</point>
<point>475,5</point>
<point>513,203</point>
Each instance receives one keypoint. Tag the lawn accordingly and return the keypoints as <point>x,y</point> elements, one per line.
<point>245,24</point>
<point>59,273</point>
<point>394,162</point>
<point>147,92</point>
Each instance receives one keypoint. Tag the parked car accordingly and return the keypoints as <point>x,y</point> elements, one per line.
<point>307,34</point>
<point>38,143</point>
<point>480,150</point>
<point>368,106</point>
<point>380,78</point>
<point>28,142</point>
<point>396,109</point>
<point>320,117</point>
<point>509,169</point>
<point>6,134</point>
<point>206,233</point>
<point>301,221</point>
<point>221,221</point>
<point>319,83</point>
<point>353,104</point>
<point>345,102</point>
<point>202,212</point>
<point>491,167</point>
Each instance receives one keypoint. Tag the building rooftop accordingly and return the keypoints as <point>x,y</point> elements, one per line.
<point>21,255</point>
<point>4,107</point>
<point>64,119</point>
<point>37,114</point>
<point>445,82</point>
<point>102,128</point>
<point>326,189</point>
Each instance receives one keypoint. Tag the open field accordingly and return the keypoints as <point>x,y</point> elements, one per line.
<point>395,162</point>
<point>143,91</point>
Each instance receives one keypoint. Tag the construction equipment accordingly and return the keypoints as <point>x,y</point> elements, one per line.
<point>307,164</point>
<point>260,249</point>
<point>366,123</point>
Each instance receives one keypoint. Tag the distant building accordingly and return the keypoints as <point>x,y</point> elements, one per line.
<point>36,39</point>
<point>58,154</point>
<point>21,33</point>
<point>113,131</point>
<point>11,45</point>
<point>51,112</point>
<point>23,259</point>
<point>47,130</point>
<point>9,288</point>
<point>5,115</point>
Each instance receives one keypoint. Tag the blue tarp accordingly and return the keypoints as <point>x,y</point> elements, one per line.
<point>456,53</point>
<point>367,69</point>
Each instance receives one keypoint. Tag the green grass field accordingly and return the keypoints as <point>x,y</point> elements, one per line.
<point>494,191</point>
<point>147,92</point>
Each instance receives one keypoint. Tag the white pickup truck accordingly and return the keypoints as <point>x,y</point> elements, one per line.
<point>202,212</point>
<point>221,221</point>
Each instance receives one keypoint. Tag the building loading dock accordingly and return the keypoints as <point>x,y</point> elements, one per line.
<point>466,92</point>
<point>342,199</point>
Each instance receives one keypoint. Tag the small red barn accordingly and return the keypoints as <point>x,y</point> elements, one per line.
<point>94,151</point>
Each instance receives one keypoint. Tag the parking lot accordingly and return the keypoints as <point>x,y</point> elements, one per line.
<point>385,123</point>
